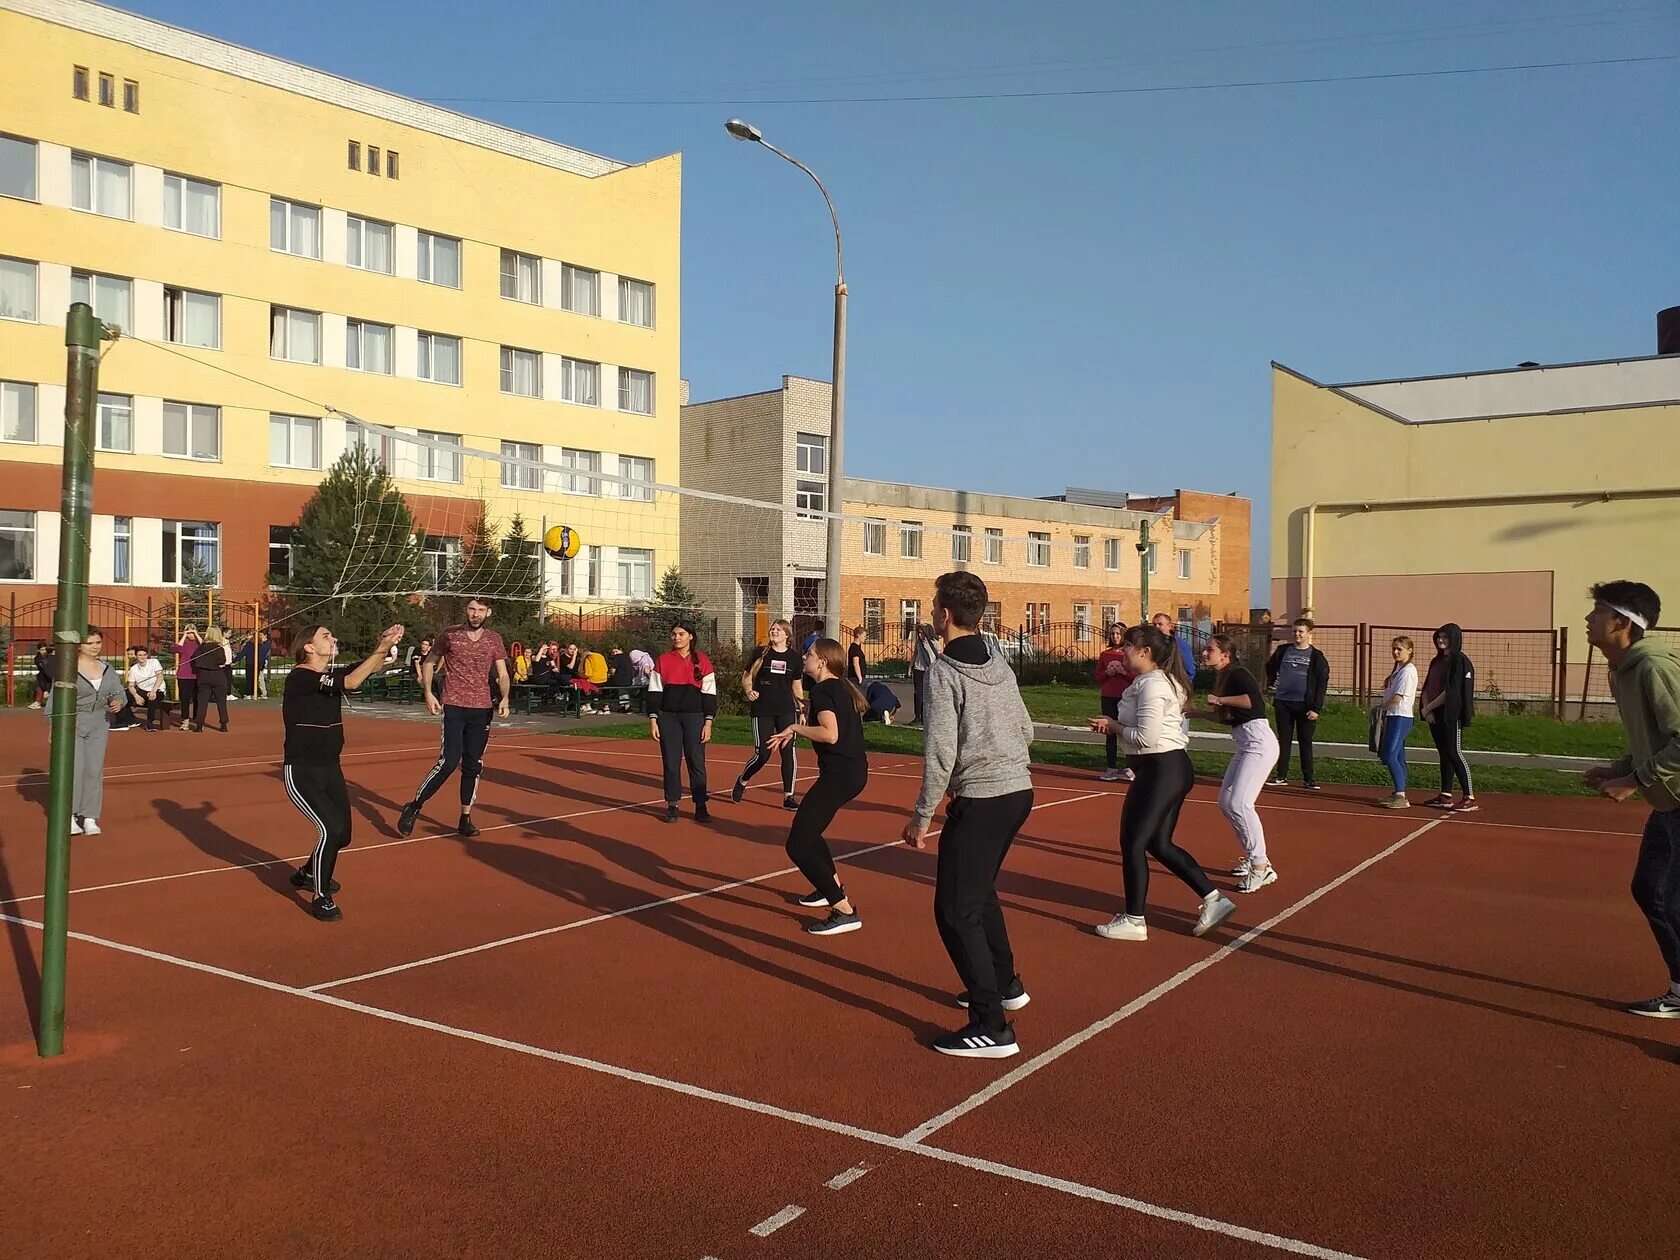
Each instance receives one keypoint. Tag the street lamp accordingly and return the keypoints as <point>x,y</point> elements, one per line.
<point>832,605</point>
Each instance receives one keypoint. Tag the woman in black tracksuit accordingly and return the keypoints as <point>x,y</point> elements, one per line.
<point>313,711</point>
<point>1449,705</point>
<point>834,726</point>
<point>772,686</point>
<point>682,701</point>
<point>211,663</point>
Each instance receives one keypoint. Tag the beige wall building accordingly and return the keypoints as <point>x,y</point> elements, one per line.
<point>1062,562</point>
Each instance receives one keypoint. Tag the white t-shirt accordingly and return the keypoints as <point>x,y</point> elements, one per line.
<point>145,676</point>
<point>1400,692</point>
<point>1152,715</point>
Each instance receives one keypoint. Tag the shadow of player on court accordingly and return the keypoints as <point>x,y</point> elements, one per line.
<point>22,947</point>
<point>194,823</point>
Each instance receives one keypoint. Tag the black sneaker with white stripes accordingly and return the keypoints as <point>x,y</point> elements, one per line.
<point>303,877</point>
<point>1014,996</point>
<point>1663,1006</point>
<point>977,1042</point>
<point>326,910</point>
<point>837,922</point>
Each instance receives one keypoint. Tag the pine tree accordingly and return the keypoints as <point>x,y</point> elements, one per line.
<point>673,601</point>
<point>356,562</point>
<point>521,578</point>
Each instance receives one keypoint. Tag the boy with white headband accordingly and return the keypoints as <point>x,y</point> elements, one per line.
<point>1645,679</point>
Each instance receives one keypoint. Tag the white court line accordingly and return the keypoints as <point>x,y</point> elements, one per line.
<point>1073,1042</point>
<point>843,1179</point>
<point>770,1224</point>
<point>609,915</point>
<point>1207,1224</point>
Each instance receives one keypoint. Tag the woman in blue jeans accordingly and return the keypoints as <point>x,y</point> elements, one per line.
<point>1398,700</point>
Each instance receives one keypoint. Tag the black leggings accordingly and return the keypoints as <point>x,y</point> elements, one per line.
<point>679,741</point>
<point>211,691</point>
<point>1111,746</point>
<point>763,728</point>
<point>1292,720</point>
<point>187,689</point>
<point>805,843</point>
<point>466,734</point>
<point>1147,821</point>
<point>1449,743</point>
<point>320,793</point>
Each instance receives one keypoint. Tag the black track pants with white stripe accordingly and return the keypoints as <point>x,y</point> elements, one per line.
<point>320,793</point>
<point>1449,746</point>
<point>466,734</point>
<point>763,728</point>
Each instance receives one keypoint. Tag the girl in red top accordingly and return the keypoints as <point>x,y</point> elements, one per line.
<point>682,701</point>
<point>1115,676</point>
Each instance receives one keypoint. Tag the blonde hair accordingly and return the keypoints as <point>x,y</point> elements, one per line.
<point>214,635</point>
<point>758,662</point>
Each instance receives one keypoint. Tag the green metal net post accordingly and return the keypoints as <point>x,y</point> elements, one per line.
<point>82,335</point>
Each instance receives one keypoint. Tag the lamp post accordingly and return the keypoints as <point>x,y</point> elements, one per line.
<point>832,604</point>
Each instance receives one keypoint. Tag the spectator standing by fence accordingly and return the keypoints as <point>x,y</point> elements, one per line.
<point>1399,698</point>
<point>186,680</point>
<point>43,676</point>
<point>1449,705</point>
<point>1299,676</point>
<point>1113,677</point>
<point>1645,679</point>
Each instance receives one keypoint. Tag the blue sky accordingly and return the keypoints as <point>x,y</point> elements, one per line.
<point>1088,289</point>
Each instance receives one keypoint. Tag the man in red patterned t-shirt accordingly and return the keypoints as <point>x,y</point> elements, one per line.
<point>468,654</point>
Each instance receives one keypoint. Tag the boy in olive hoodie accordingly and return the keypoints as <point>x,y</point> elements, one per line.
<point>1645,679</point>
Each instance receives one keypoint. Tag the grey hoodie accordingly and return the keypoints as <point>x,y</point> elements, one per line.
<point>976,732</point>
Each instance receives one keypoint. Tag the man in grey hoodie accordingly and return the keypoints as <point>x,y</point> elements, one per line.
<point>976,743</point>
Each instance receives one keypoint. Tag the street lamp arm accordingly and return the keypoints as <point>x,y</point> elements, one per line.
<point>839,256</point>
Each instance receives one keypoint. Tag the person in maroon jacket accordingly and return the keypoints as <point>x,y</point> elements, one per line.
<point>682,701</point>
<point>1115,676</point>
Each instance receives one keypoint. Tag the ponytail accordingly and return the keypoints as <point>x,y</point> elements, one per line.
<point>1163,650</point>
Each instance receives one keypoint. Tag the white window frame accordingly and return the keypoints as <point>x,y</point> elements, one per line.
<point>193,415</point>
<point>512,274</point>
<point>425,363</point>
<point>176,303</point>
<point>584,471</point>
<point>1111,555</point>
<point>874,538</point>
<point>177,560</point>
<point>509,376</point>
<point>436,465</point>
<point>1184,564</point>
<point>292,424</point>
<point>626,286</point>
<point>1082,623</point>
<point>874,619</point>
<point>1110,617</point>
<point>95,165</point>
<point>638,474</point>
<point>571,277</point>
<point>122,551</point>
<point>108,407</point>
<point>909,614</point>
<point>12,397</point>
<point>31,528</point>
<point>1082,553</point>
<point>810,454</point>
<point>574,372</point>
<point>440,547</point>
<point>355,244</point>
<point>183,185</point>
<point>292,210</point>
<point>994,545</point>
<point>634,562</point>
<point>287,543</point>
<point>810,498</point>
<point>520,476</point>
<point>32,313</point>
<point>355,346</point>
<point>93,282</point>
<point>910,540</point>
<point>34,185</point>
<point>1154,551</point>
<point>962,544</point>
<point>1038,549</point>
<point>626,377</point>
<point>426,269</point>
<point>280,340</point>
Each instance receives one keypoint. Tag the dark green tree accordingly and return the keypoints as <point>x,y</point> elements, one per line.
<point>673,601</point>
<point>356,561</point>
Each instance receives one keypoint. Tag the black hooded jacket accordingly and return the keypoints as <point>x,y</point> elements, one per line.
<point>1460,703</point>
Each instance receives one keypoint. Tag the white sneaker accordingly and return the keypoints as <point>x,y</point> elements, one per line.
<point>1242,868</point>
<point>1120,928</point>
<point>75,826</point>
<point>1257,878</point>
<point>90,827</point>
<point>1110,776</point>
<point>1215,910</point>
<point>36,705</point>
<point>1126,776</point>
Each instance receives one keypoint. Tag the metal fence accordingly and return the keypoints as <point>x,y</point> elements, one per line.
<point>1520,669</point>
<point>1589,684</point>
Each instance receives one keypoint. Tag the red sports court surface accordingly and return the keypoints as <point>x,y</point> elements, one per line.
<point>587,1033</point>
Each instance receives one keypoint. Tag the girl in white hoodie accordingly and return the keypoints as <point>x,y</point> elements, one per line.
<point>1151,728</point>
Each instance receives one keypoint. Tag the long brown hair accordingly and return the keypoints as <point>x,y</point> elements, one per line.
<point>832,655</point>
<point>1227,645</point>
<point>764,650</point>
<point>1163,650</point>
<point>301,639</point>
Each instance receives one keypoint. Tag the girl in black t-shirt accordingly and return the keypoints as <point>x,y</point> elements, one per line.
<point>1236,700</point>
<point>834,726</point>
<point>856,662</point>
<point>313,711</point>
<point>774,690</point>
